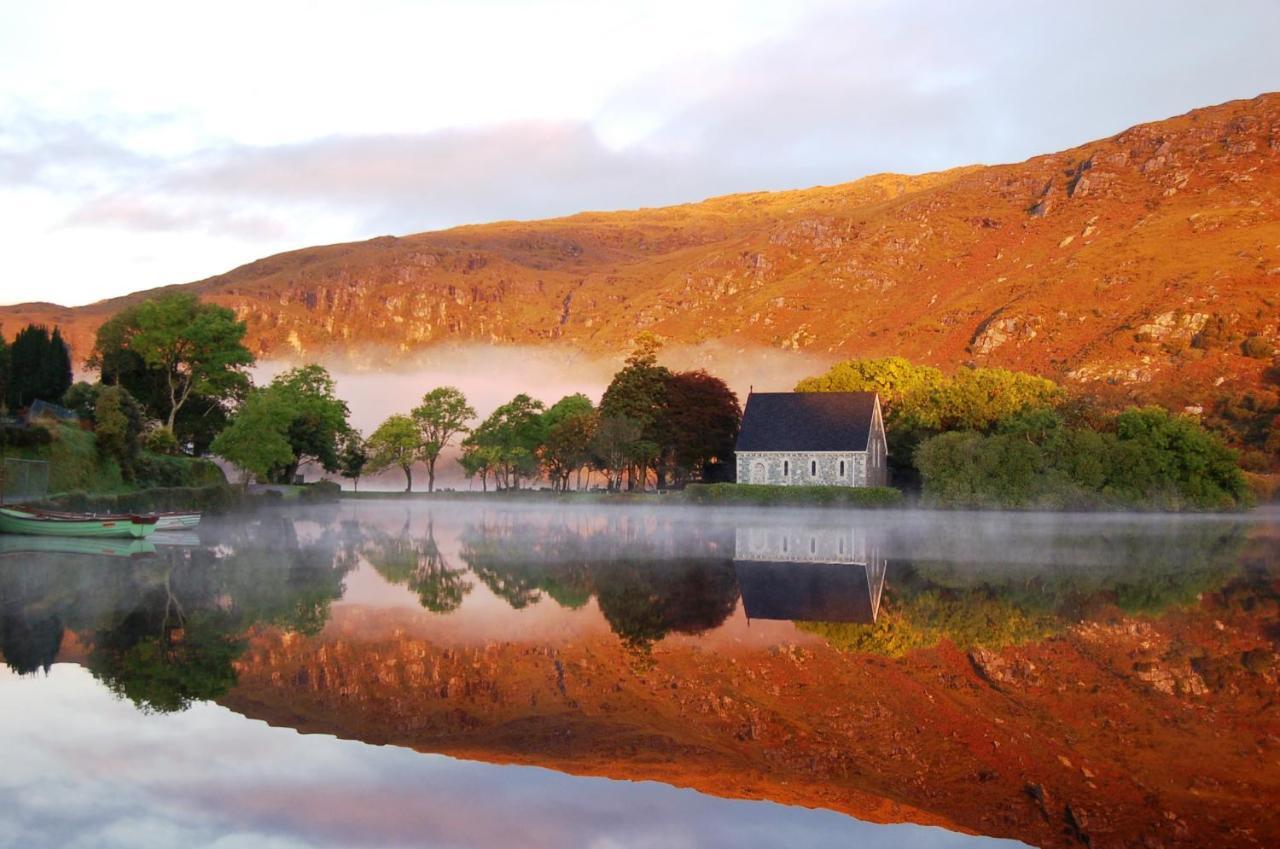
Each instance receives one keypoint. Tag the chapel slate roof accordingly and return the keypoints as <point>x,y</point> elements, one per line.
<point>807,421</point>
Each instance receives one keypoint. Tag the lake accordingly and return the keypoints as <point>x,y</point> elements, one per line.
<point>503,673</point>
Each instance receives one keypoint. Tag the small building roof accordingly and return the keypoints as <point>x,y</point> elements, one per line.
<point>807,421</point>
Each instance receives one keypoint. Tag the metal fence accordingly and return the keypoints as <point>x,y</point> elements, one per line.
<point>23,480</point>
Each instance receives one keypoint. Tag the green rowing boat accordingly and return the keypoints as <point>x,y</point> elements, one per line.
<point>15,520</point>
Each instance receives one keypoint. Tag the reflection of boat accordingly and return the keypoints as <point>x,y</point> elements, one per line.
<point>177,521</point>
<point>184,539</point>
<point>14,545</point>
<point>14,520</point>
<point>809,574</point>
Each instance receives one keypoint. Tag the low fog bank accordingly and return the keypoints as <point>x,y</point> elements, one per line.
<point>491,375</point>
<point>971,540</point>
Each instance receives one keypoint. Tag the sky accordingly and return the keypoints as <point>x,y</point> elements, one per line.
<point>144,144</point>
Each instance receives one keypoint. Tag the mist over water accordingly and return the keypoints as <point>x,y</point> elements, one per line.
<point>867,662</point>
<point>376,384</point>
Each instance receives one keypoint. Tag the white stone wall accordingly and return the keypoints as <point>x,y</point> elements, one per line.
<point>801,544</point>
<point>799,468</point>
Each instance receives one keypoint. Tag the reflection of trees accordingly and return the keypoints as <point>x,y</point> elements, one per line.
<point>30,641</point>
<point>164,632</point>
<point>419,565</point>
<point>1140,570</point>
<point>646,600</point>
<point>647,585</point>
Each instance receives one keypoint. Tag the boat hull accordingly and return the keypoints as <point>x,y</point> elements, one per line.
<point>31,524</point>
<point>177,521</point>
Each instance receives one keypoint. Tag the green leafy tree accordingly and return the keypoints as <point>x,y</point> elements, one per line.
<point>638,393</point>
<point>317,418</point>
<point>569,425</point>
<point>196,348</point>
<point>511,437</point>
<point>613,445</point>
<point>478,458</point>
<point>118,426</point>
<point>903,386</point>
<point>198,421</point>
<point>442,415</point>
<point>353,457</point>
<point>82,399</point>
<point>396,442</point>
<point>1162,453</point>
<point>255,441</point>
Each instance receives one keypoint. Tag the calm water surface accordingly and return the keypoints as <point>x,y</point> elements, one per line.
<point>494,674</point>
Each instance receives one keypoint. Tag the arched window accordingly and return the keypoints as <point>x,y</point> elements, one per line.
<point>813,468</point>
<point>786,468</point>
<point>842,468</point>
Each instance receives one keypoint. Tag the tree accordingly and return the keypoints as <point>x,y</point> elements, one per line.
<point>478,459</point>
<point>396,442</point>
<point>511,437</point>
<point>82,399</point>
<point>1163,453</point>
<point>442,415</point>
<point>4,370</point>
<point>39,367</point>
<point>199,420</point>
<point>613,445</point>
<point>701,417</point>
<point>638,393</point>
<point>569,424</point>
<point>255,440</point>
<point>197,348</point>
<point>317,418</point>
<point>353,456</point>
<point>118,426</point>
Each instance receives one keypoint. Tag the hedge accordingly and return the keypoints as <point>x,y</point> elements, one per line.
<point>804,496</point>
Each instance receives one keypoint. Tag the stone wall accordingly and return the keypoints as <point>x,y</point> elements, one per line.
<point>796,468</point>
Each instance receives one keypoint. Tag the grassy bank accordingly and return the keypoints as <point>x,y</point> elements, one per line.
<point>214,499</point>
<point>77,466</point>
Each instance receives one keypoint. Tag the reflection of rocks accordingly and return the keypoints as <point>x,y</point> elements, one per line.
<point>1170,680</point>
<point>1001,670</point>
<point>1054,742</point>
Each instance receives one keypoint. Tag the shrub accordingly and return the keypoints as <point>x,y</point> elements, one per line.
<point>761,494</point>
<point>27,437</point>
<point>321,492</point>
<point>1257,347</point>
<point>1153,459</point>
<point>118,424</point>
<point>160,440</point>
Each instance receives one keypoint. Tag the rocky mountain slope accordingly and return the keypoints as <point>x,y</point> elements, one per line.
<point>1137,264</point>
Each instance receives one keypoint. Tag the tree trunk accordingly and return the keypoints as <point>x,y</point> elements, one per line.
<point>408,478</point>
<point>431,474</point>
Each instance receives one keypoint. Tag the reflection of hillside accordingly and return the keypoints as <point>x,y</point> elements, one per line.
<point>163,631</point>
<point>936,736</point>
<point>981,603</point>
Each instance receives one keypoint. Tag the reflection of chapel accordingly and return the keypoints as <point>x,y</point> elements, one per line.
<point>809,573</point>
<point>813,439</point>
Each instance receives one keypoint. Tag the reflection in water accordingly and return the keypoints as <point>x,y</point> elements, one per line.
<point>809,574</point>
<point>1022,677</point>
